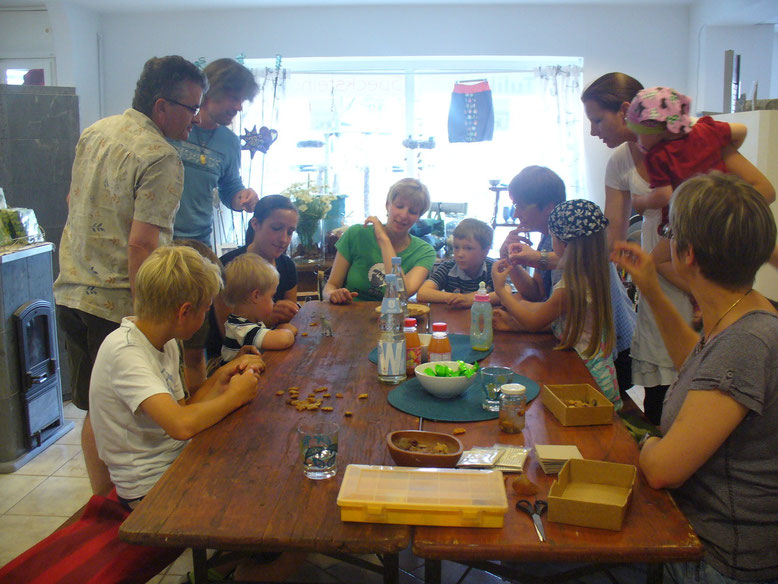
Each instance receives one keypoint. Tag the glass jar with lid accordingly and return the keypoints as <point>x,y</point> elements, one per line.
<point>513,405</point>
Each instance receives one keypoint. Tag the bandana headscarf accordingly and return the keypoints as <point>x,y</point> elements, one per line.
<point>576,218</point>
<point>659,104</point>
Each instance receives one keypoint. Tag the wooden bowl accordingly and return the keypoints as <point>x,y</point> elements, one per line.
<point>403,457</point>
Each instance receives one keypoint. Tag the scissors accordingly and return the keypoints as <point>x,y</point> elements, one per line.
<point>534,511</point>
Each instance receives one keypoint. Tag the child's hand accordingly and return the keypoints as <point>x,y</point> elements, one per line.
<point>289,327</point>
<point>523,255</point>
<point>503,321</point>
<point>500,271</point>
<point>380,230</point>
<point>248,357</point>
<point>243,386</point>
<point>637,263</point>
<point>459,301</point>
<point>342,296</point>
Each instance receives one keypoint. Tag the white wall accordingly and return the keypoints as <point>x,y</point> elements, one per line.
<point>25,34</point>
<point>597,33</point>
<point>704,62</point>
<point>76,34</point>
<point>753,43</point>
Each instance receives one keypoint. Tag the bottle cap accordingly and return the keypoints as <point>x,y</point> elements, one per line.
<point>513,389</point>
<point>482,295</point>
<point>410,322</point>
<point>439,327</point>
<point>396,261</point>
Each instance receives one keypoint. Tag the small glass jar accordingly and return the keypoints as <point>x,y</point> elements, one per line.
<point>513,405</point>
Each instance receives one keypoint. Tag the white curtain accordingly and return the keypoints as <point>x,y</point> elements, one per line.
<point>563,112</point>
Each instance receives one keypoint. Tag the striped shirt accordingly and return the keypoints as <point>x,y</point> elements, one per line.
<point>450,278</point>
<point>241,332</point>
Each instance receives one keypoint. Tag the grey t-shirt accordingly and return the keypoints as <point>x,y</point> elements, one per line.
<point>732,500</point>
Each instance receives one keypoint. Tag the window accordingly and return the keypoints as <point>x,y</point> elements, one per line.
<point>27,71</point>
<point>358,126</point>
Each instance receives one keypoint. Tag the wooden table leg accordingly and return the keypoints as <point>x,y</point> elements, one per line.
<point>654,573</point>
<point>432,571</point>
<point>391,568</point>
<point>200,561</point>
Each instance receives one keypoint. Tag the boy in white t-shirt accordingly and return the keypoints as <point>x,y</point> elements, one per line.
<point>141,414</point>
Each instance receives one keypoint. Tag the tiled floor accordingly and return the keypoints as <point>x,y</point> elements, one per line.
<point>40,496</point>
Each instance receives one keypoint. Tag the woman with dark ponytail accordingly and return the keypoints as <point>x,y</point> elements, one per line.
<point>268,235</point>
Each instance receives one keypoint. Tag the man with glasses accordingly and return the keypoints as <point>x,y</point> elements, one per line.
<point>125,188</point>
<point>211,154</point>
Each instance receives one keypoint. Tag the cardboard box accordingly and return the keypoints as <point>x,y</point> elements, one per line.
<point>423,496</point>
<point>591,493</point>
<point>554,398</point>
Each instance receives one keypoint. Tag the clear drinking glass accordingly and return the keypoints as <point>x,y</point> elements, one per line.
<point>492,378</point>
<point>319,449</point>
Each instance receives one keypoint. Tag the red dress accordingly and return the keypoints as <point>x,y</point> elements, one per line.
<point>673,161</point>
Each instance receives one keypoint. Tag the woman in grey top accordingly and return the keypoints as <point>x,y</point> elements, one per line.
<point>718,453</point>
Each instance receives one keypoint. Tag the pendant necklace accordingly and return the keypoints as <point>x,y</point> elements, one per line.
<point>726,312</point>
<point>202,146</point>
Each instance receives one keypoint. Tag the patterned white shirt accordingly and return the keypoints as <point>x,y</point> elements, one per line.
<point>124,171</point>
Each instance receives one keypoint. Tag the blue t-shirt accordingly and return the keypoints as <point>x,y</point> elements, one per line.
<point>211,160</point>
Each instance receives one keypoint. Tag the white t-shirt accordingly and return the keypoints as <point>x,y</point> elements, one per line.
<point>128,370</point>
<point>651,365</point>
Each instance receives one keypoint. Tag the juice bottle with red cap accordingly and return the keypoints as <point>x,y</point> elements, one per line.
<point>440,346</point>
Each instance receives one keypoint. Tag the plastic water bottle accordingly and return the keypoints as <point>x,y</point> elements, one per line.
<point>397,270</point>
<point>391,340</point>
<point>481,334</point>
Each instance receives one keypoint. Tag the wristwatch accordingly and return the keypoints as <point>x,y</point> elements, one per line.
<point>543,263</point>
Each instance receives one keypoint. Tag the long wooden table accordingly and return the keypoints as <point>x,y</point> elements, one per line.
<point>239,485</point>
<point>654,531</point>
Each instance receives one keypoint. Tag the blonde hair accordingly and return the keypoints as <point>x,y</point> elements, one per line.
<point>587,294</point>
<point>409,188</point>
<point>246,273</point>
<point>172,276</point>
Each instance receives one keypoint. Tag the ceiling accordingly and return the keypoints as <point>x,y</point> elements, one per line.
<point>115,6</point>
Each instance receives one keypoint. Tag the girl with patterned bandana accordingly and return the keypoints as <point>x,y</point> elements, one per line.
<point>579,308</point>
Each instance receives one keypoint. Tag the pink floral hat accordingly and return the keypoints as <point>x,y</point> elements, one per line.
<point>655,105</point>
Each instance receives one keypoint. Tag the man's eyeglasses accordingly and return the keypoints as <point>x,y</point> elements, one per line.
<point>666,231</point>
<point>192,108</point>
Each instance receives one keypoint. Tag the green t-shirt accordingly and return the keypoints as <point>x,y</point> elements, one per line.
<point>366,274</point>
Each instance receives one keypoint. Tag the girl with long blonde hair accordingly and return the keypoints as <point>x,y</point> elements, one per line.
<point>579,308</point>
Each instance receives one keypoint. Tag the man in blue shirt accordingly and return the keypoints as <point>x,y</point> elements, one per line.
<point>211,154</point>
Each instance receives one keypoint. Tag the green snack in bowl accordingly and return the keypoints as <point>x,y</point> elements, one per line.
<point>463,370</point>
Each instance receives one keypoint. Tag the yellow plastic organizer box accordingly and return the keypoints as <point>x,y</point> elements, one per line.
<point>423,496</point>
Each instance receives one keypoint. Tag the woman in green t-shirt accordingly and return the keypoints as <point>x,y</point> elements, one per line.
<point>365,252</point>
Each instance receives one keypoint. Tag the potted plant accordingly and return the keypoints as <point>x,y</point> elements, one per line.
<point>312,203</point>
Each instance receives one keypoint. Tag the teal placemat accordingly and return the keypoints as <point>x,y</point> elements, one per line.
<point>460,350</point>
<point>410,397</point>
